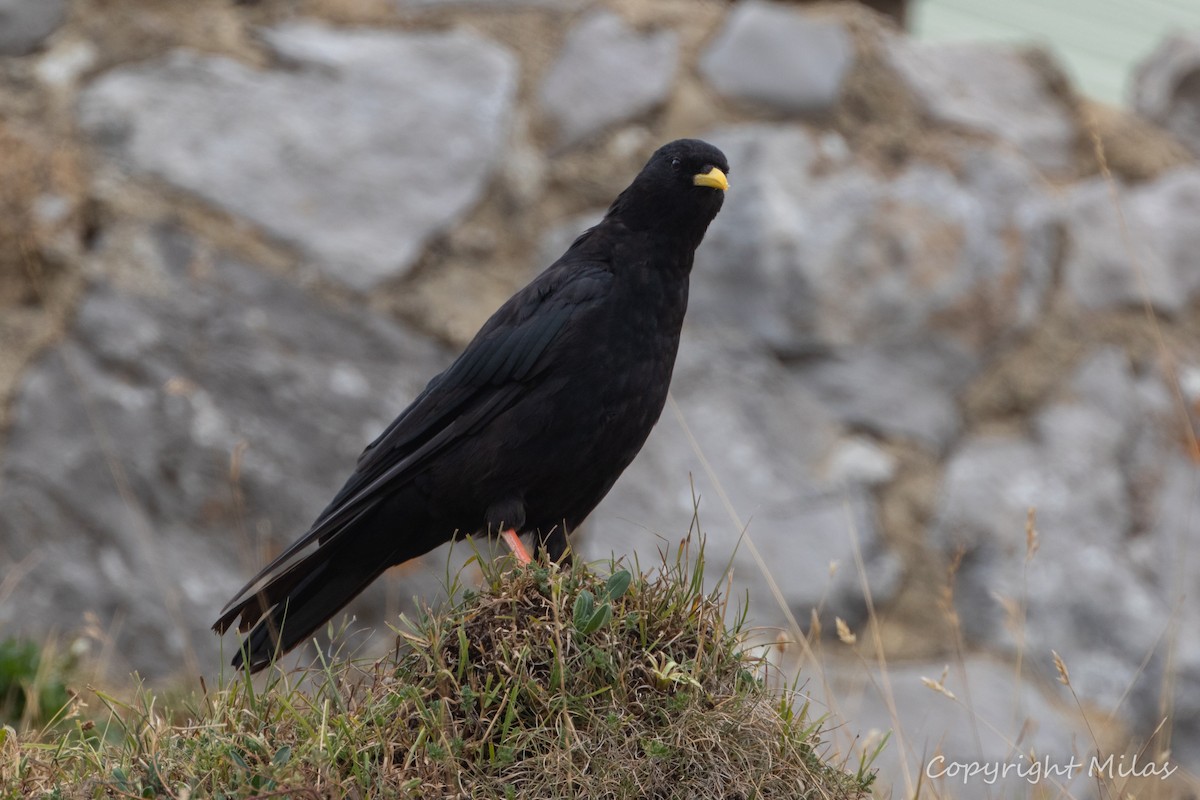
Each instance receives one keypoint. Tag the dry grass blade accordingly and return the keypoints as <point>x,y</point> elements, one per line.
<point>939,685</point>
<point>1064,677</point>
<point>1032,541</point>
<point>844,633</point>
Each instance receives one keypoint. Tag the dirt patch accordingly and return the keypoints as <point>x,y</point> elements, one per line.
<point>914,624</point>
<point>1135,149</point>
<point>42,220</point>
<point>39,192</point>
<point>351,12</point>
<point>123,31</point>
<point>876,114</point>
<point>1020,379</point>
<point>1034,370</point>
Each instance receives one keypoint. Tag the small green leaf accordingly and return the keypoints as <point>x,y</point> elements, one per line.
<point>655,748</point>
<point>237,759</point>
<point>585,605</point>
<point>598,620</point>
<point>464,653</point>
<point>617,584</point>
<point>282,756</point>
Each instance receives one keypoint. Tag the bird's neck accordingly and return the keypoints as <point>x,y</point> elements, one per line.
<point>684,223</point>
<point>664,230</point>
<point>614,242</point>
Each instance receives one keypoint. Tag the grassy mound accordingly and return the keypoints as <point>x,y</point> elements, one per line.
<point>545,684</point>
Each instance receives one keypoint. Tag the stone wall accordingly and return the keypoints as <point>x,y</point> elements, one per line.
<point>943,343</point>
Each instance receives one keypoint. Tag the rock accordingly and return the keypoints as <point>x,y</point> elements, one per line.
<point>62,66</point>
<point>184,430</point>
<point>782,58</point>
<point>992,483</point>
<point>1185,708</point>
<point>748,272</point>
<point>863,283</point>
<point>990,707</point>
<point>886,296</point>
<point>991,89</point>
<point>900,392</point>
<point>1081,470</point>
<point>768,449</point>
<point>857,459</point>
<point>607,73</point>
<point>819,252</point>
<point>368,144</point>
<point>1167,478</point>
<point>1104,270</point>
<point>25,24</point>
<point>1166,87</point>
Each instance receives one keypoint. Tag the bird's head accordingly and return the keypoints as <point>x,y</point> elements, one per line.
<point>680,190</point>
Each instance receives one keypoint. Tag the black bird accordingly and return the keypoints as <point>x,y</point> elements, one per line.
<point>529,428</point>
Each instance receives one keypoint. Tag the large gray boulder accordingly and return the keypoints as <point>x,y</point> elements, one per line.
<point>1138,247</point>
<point>876,288</point>
<point>25,24</point>
<point>188,427</point>
<point>356,150</point>
<point>989,89</point>
<point>1166,87</point>
<point>607,73</point>
<point>1092,470</point>
<point>779,57</point>
<point>899,392</point>
<point>819,251</point>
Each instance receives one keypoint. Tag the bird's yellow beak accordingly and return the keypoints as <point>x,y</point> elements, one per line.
<point>713,179</point>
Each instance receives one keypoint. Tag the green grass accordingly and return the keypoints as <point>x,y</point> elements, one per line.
<point>32,682</point>
<point>545,683</point>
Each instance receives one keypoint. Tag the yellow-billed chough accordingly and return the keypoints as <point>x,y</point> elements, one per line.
<point>529,428</point>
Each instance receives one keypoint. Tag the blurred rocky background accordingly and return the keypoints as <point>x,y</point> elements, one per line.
<point>940,378</point>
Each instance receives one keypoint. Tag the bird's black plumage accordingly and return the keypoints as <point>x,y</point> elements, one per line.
<point>532,424</point>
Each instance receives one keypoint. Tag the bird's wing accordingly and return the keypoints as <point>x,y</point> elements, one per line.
<point>494,371</point>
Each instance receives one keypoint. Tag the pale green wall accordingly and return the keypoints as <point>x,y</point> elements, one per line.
<point>1098,41</point>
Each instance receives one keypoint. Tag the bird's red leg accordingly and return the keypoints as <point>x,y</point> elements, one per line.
<point>510,538</point>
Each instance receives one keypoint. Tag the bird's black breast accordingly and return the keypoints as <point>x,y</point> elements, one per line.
<point>599,389</point>
<point>607,406</point>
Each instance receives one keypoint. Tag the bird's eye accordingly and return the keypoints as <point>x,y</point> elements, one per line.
<point>676,163</point>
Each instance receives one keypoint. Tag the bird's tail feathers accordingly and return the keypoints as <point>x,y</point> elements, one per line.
<point>289,607</point>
